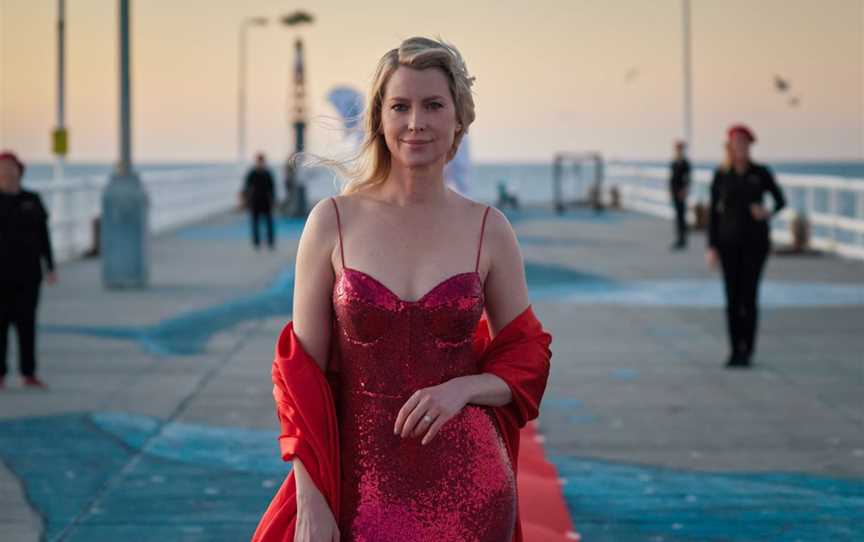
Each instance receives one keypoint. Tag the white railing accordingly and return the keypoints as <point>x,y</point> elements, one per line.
<point>834,206</point>
<point>177,197</point>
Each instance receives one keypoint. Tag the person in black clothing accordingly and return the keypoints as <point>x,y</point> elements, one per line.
<point>739,237</point>
<point>679,186</point>
<point>259,196</point>
<point>24,245</point>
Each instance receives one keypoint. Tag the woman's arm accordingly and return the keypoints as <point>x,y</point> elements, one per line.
<point>776,192</point>
<point>313,282</point>
<point>506,298</point>
<point>313,285</point>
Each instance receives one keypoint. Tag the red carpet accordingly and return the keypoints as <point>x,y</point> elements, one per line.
<point>544,514</point>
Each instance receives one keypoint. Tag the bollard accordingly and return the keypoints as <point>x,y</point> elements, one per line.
<point>615,197</point>
<point>93,251</point>
<point>800,229</point>
<point>700,216</point>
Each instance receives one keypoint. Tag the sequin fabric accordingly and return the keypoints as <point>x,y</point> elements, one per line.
<point>458,487</point>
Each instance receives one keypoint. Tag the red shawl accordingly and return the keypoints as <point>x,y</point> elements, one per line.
<point>519,355</point>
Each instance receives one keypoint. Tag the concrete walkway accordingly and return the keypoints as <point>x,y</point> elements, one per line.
<point>159,423</point>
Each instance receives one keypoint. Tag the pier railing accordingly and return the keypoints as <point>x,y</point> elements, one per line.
<point>834,206</point>
<point>177,197</point>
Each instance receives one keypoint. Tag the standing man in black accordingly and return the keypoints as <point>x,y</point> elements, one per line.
<point>679,187</point>
<point>24,245</point>
<point>260,196</point>
<point>739,237</point>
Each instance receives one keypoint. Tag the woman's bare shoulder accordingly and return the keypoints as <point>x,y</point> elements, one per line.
<point>498,227</point>
<point>320,223</point>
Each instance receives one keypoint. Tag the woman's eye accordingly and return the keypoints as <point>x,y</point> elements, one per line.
<point>435,105</point>
<point>399,107</point>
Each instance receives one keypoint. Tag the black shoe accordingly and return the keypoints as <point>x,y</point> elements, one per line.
<point>738,361</point>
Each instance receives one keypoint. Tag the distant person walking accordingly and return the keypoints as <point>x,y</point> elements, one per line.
<point>679,187</point>
<point>259,197</point>
<point>24,245</point>
<point>739,237</point>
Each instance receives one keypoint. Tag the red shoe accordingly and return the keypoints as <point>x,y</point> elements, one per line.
<point>33,382</point>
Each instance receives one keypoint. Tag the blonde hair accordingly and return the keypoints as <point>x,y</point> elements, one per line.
<point>371,165</point>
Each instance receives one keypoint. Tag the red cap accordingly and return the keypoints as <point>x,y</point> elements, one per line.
<point>9,155</point>
<point>742,129</point>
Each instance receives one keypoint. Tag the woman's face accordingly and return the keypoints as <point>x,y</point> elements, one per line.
<point>418,117</point>
<point>9,176</point>
<point>739,147</point>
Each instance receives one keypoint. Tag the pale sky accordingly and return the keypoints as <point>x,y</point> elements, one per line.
<point>551,75</point>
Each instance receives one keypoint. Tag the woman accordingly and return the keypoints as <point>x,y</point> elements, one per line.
<point>739,237</point>
<point>24,245</point>
<point>415,436</point>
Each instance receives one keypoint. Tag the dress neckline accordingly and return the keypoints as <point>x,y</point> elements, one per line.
<point>421,298</point>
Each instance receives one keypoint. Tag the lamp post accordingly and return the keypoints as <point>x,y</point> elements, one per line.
<point>59,142</point>
<point>241,85</point>
<point>295,190</point>
<point>687,73</point>
<point>125,205</point>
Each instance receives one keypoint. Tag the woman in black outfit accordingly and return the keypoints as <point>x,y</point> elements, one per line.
<point>24,245</point>
<point>739,237</point>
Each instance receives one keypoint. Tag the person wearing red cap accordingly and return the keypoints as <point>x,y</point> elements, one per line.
<point>739,237</point>
<point>24,244</point>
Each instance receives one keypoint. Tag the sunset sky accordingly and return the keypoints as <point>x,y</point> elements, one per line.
<point>551,75</point>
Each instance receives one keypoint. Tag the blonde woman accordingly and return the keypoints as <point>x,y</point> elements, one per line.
<point>413,357</point>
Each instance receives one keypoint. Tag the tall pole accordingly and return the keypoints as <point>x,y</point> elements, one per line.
<point>241,84</point>
<point>299,101</point>
<point>241,96</point>
<point>686,65</point>
<point>124,227</point>
<point>124,166</point>
<point>59,137</point>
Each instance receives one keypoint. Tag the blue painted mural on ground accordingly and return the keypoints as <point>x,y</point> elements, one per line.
<point>240,228</point>
<point>118,476</point>
<point>188,333</point>
<point>616,502</point>
<point>580,214</point>
<point>696,293</point>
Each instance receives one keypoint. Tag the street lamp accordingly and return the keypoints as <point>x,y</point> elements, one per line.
<point>291,20</point>
<point>688,74</point>
<point>295,192</point>
<point>241,85</point>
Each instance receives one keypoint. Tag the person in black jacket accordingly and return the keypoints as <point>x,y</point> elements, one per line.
<point>739,237</point>
<point>24,245</point>
<point>679,186</point>
<point>259,196</point>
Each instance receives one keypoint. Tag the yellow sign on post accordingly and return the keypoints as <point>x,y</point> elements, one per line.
<point>60,141</point>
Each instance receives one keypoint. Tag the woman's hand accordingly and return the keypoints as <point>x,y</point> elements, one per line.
<point>315,521</point>
<point>430,408</point>
<point>711,258</point>
<point>759,212</point>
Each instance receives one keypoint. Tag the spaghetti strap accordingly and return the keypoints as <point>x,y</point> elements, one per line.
<point>480,244</point>
<point>339,229</point>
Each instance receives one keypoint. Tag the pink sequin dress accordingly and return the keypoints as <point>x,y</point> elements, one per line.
<point>458,487</point>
